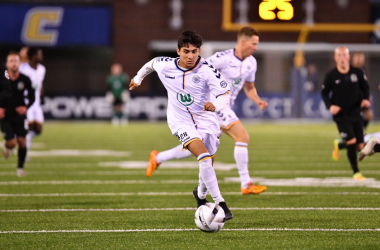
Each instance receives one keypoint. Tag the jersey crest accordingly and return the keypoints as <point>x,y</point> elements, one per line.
<point>185,99</point>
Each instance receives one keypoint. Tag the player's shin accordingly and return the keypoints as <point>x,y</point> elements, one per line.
<point>202,189</point>
<point>241,158</point>
<point>173,153</point>
<point>208,176</point>
<point>21,157</point>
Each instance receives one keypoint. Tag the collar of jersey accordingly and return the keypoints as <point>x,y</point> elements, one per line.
<point>196,64</point>
<point>236,56</point>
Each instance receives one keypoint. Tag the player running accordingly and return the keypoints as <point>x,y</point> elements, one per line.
<point>238,67</point>
<point>190,116</point>
<point>36,72</point>
<point>14,125</point>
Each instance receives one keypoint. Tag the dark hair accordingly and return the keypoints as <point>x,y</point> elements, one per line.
<point>32,51</point>
<point>248,31</point>
<point>12,53</point>
<point>189,37</point>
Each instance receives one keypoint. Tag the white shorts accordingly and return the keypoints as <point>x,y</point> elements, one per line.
<point>188,134</point>
<point>35,114</point>
<point>227,118</point>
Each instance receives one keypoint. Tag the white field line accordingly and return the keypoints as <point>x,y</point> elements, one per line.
<point>193,229</point>
<point>6,183</point>
<point>181,193</point>
<point>190,209</point>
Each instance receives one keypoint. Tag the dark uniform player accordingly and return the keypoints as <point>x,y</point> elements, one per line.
<point>345,91</point>
<point>5,90</point>
<point>14,124</point>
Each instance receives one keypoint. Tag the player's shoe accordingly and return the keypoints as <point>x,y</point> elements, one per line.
<point>335,153</point>
<point>227,211</point>
<point>200,202</point>
<point>368,149</point>
<point>20,172</point>
<point>359,177</point>
<point>152,165</point>
<point>253,189</point>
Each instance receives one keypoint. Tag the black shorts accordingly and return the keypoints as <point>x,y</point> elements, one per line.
<point>117,101</point>
<point>350,129</point>
<point>14,126</point>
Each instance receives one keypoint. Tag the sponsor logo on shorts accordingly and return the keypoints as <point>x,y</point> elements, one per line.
<point>223,84</point>
<point>185,99</point>
<point>196,79</point>
<point>354,78</point>
<point>343,135</point>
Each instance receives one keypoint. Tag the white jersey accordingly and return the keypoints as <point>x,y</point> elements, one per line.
<point>368,136</point>
<point>188,92</point>
<point>235,71</point>
<point>36,76</point>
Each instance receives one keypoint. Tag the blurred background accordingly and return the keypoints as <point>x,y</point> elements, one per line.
<point>82,38</point>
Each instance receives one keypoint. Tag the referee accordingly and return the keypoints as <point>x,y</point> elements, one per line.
<point>345,91</point>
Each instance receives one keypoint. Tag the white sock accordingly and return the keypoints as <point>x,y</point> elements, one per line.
<point>202,189</point>
<point>241,158</point>
<point>208,177</point>
<point>173,153</point>
<point>29,137</point>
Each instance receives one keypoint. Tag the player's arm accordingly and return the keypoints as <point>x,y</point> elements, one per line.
<point>326,89</point>
<point>220,89</point>
<point>5,86</point>
<point>251,93</point>
<point>364,86</point>
<point>141,74</point>
<point>31,94</point>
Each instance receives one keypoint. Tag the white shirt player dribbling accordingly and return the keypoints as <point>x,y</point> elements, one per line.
<point>36,76</point>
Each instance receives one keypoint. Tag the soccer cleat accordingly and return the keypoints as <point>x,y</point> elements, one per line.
<point>368,149</point>
<point>358,177</point>
<point>253,189</point>
<point>227,212</point>
<point>152,165</point>
<point>200,202</point>
<point>20,172</point>
<point>335,153</point>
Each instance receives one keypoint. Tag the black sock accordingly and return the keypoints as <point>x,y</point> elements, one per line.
<point>21,157</point>
<point>352,157</point>
<point>376,148</point>
<point>342,145</point>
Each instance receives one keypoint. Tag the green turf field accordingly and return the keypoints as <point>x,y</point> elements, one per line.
<point>86,189</point>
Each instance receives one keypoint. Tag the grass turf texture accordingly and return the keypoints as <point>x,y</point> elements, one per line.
<point>277,151</point>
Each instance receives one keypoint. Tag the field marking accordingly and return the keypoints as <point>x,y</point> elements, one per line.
<point>181,193</point>
<point>296,182</point>
<point>193,229</point>
<point>76,152</point>
<point>190,209</point>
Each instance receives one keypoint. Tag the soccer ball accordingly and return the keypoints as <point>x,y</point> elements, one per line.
<point>209,218</point>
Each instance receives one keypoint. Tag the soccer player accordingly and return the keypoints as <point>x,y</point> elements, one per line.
<point>358,60</point>
<point>117,93</point>
<point>190,115</point>
<point>36,72</point>
<point>238,67</point>
<point>14,125</point>
<point>372,146</point>
<point>345,91</point>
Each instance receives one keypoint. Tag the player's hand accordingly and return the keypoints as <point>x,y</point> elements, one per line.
<point>133,85</point>
<point>21,110</point>
<point>365,104</point>
<point>209,107</point>
<point>334,109</point>
<point>2,113</point>
<point>262,104</point>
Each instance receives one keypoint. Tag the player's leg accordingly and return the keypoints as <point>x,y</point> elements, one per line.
<point>8,135</point>
<point>156,158</point>
<point>21,130</point>
<point>372,146</point>
<point>367,116</point>
<point>231,125</point>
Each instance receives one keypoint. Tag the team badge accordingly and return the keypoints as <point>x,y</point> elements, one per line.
<point>20,85</point>
<point>223,84</point>
<point>354,78</point>
<point>196,79</point>
<point>185,99</point>
<point>236,82</point>
<point>6,74</point>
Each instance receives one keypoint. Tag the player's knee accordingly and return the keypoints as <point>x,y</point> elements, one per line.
<point>351,141</point>
<point>21,142</point>
<point>10,143</point>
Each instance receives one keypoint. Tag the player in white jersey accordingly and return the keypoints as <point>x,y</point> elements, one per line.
<point>238,66</point>
<point>188,80</point>
<point>36,72</point>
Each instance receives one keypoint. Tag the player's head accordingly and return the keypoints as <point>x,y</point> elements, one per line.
<point>35,55</point>
<point>247,40</point>
<point>13,61</point>
<point>342,57</point>
<point>358,59</point>
<point>189,47</point>
<point>116,69</point>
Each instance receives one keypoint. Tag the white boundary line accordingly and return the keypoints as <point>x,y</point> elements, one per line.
<point>180,193</point>
<point>191,209</point>
<point>192,229</point>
